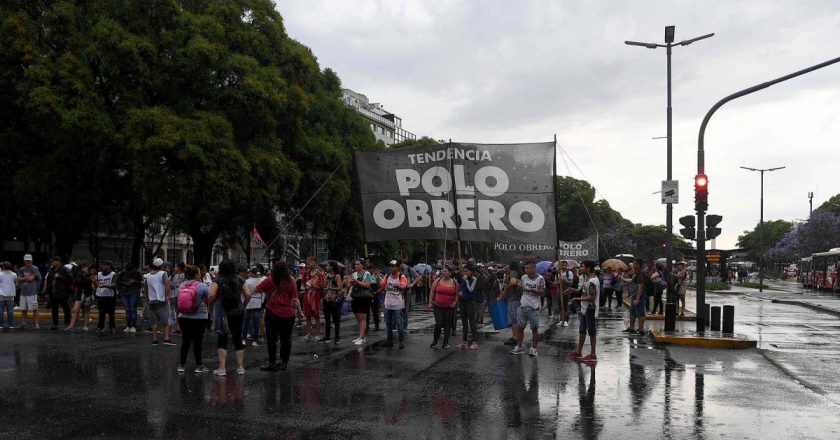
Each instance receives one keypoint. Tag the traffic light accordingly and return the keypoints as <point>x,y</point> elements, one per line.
<point>712,230</point>
<point>701,193</point>
<point>688,231</point>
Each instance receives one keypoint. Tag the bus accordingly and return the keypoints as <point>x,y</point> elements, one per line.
<point>825,269</point>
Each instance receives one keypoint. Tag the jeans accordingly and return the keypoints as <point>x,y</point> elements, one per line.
<point>332,314</point>
<point>374,311</point>
<point>107,304</point>
<point>394,317</point>
<point>192,331</point>
<point>278,327</point>
<point>130,301</point>
<point>7,304</point>
<point>65,307</point>
<point>444,317</point>
<point>468,320</point>
<point>173,312</point>
<point>251,324</point>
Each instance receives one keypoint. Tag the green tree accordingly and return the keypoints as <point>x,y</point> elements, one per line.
<point>831,205</point>
<point>773,232</point>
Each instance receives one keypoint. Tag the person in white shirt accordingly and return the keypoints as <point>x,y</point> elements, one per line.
<point>533,289</point>
<point>7,294</point>
<point>156,285</point>
<point>590,296</point>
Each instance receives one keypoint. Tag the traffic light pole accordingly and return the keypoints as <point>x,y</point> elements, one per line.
<point>701,169</point>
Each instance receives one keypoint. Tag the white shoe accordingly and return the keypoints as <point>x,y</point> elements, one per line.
<point>133,330</point>
<point>306,338</point>
<point>565,323</point>
<point>360,341</point>
<point>517,350</point>
<point>127,329</point>
<point>532,351</point>
<point>220,372</point>
<point>356,340</point>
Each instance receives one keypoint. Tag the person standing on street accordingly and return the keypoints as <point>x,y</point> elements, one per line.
<point>361,294</point>
<point>228,312</point>
<point>467,287</point>
<point>395,287</point>
<point>533,289</point>
<point>513,294</point>
<point>156,286</point>
<point>682,279</point>
<point>8,280</point>
<point>29,278</point>
<point>129,282</point>
<point>176,278</point>
<point>281,304</point>
<point>57,289</point>
<point>253,309</point>
<point>333,299</point>
<point>589,299</point>
<point>82,298</point>
<point>413,279</point>
<point>106,296</point>
<point>378,296</point>
<point>442,300</point>
<point>641,281</point>
<point>192,317</point>
<point>566,279</point>
<point>312,279</point>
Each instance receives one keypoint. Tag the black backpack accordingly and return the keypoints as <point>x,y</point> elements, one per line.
<point>229,294</point>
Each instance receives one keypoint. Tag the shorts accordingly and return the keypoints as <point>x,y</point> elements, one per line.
<point>311,306</point>
<point>360,306</point>
<point>512,311</point>
<point>638,310</point>
<point>29,302</point>
<point>158,313</point>
<point>528,316</point>
<point>587,322</point>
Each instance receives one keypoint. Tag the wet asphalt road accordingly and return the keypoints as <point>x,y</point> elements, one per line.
<point>59,385</point>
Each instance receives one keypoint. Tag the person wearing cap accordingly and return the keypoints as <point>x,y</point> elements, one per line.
<point>8,279</point>
<point>29,278</point>
<point>156,286</point>
<point>106,297</point>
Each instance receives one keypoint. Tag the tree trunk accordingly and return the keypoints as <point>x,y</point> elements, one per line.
<point>138,236</point>
<point>204,243</point>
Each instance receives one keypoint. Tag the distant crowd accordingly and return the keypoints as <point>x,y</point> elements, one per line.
<point>247,307</point>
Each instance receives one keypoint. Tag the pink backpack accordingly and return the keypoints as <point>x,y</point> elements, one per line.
<point>186,298</point>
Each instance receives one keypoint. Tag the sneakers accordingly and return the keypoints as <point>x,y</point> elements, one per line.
<point>474,346</point>
<point>574,354</point>
<point>590,358</point>
<point>322,340</point>
<point>517,350</point>
<point>510,341</point>
<point>337,341</point>
<point>446,346</point>
<point>434,345</point>
<point>356,340</point>
<point>360,341</point>
<point>402,346</point>
<point>565,323</point>
<point>127,329</point>
<point>270,367</point>
<point>133,330</point>
<point>638,332</point>
<point>220,372</point>
<point>201,369</point>
<point>306,338</point>
<point>462,346</point>
<point>155,342</point>
<point>240,371</point>
<point>168,342</point>
<point>85,328</point>
<point>181,369</point>
<point>628,330</point>
<point>255,344</point>
<point>532,352</point>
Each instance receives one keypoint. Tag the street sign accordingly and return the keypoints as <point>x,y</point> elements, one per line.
<point>670,191</point>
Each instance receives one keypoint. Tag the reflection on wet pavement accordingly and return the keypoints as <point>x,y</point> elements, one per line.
<point>131,390</point>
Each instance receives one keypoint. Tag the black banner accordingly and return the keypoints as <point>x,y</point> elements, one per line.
<point>493,193</point>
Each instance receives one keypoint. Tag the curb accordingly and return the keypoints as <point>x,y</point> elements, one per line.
<point>816,307</point>
<point>695,340</point>
<point>689,315</point>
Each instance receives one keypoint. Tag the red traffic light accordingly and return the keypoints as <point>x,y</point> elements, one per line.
<point>701,180</point>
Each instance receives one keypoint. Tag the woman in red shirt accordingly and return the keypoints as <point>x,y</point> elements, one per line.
<point>281,305</point>
<point>443,300</point>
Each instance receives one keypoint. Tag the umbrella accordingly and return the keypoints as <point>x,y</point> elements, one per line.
<point>422,268</point>
<point>572,263</point>
<point>543,266</point>
<point>614,264</point>
<point>338,263</point>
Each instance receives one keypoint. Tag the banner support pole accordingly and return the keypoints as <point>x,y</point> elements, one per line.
<point>454,193</point>
<point>560,295</point>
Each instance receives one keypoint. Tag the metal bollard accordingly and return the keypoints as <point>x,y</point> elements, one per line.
<point>707,315</point>
<point>715,320</point>
<point>728,319</point>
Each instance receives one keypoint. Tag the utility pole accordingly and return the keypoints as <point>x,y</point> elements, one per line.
<point>810,204</point>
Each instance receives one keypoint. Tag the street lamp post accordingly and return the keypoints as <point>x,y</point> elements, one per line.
<point>761,227</point>
<point>670,310</point>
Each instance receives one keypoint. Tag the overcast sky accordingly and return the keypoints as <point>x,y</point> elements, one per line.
<point>500,71</point>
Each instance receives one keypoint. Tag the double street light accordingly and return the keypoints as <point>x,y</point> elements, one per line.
<point>761,226</point>
<point>669,211</point>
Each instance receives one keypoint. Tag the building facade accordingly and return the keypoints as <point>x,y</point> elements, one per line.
<point>386,126</point>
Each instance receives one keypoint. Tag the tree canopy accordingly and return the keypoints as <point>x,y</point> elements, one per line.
<point>773,232</point>
<point>201,111</point>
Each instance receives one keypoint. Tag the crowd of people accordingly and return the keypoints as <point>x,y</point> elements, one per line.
<point>253,306</point>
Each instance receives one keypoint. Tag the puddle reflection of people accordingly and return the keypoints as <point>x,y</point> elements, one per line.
<point>588,422</point>
<point>227,391</point>
<point>522,407</point>
<point>638,386</point>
